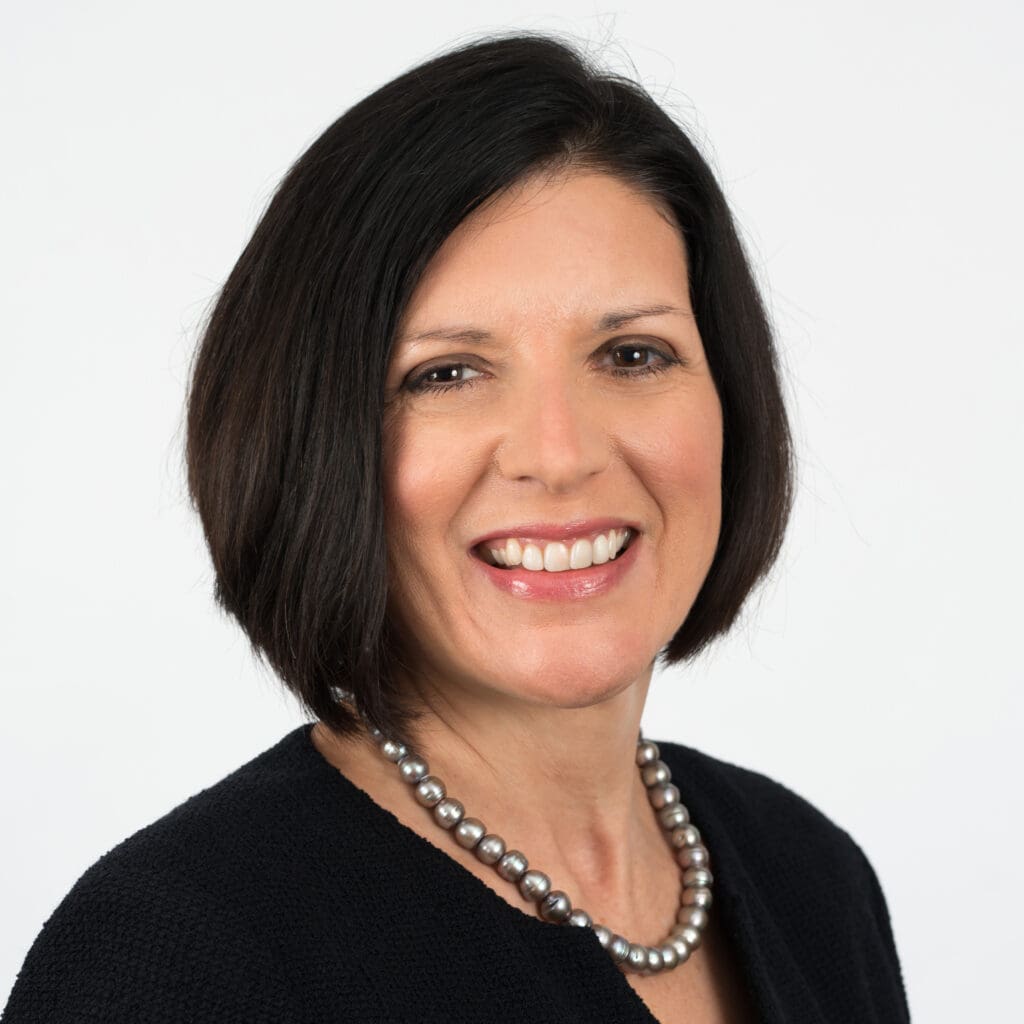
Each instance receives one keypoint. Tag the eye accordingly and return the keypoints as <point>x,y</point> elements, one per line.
<point>442,377</point>
<point>636,362</point>
<point>634,352</point>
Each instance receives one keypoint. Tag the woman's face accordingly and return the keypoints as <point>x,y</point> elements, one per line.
<point>540,417</point>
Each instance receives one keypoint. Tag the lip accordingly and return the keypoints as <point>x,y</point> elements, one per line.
<point>558,531</point>
<point>572,584</point>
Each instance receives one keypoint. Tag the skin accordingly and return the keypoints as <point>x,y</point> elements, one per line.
<point>533,707</point>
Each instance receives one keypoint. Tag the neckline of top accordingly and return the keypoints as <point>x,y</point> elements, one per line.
<point>730,878</point>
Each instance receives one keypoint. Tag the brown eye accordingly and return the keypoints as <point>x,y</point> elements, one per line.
<point>442,377</point>
<point>632,360</point>
<point>632,355</point>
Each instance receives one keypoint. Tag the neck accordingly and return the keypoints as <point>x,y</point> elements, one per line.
<point>561,785</point>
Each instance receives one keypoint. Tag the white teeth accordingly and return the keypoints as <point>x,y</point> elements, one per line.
<point>557,556</point>
<point>513,552</point>
<point>582,554</point>
<point>533,559</point>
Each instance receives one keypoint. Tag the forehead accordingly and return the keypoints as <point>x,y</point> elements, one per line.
<point>552,250</point>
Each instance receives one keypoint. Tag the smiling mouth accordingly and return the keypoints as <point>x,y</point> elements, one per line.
<point>555,556</point>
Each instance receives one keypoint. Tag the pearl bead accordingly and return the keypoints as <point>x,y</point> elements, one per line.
<point>429,791</point>
<point>693,856</point>
<point>393,751</point>
<point>685,835</point>
<point>647,752</point>
<point>697,917</point>
<point>604,935</point>
<point>691,936</point>
<point>673,815</point>
<point>580,918</point>
<point>490,849</point>
<point>555,907</point>
<point>469,832</point>
<point>512,865</point>
<point>654,961</point>
<point>682,948</point>
<point>412,768</point>
<point>534,885</point>
<point>636,959</point>
<point>663,796</point>
<point>669,956</point>
<point>696,898</point>
<point>697,878</point>
<point>448,812</point>
<point>619,948</point>
<point>656,773</point>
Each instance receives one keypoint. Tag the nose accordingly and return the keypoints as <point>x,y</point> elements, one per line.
<point>555,435</point>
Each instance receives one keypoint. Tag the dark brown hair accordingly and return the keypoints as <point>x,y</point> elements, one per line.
<point>284,414</point>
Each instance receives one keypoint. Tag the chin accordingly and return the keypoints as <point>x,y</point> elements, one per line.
<point>575,685</point>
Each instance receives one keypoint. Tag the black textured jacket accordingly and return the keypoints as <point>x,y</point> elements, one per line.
<point>285,894</point>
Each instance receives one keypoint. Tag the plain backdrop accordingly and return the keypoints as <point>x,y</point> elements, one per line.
<point>872,155</point>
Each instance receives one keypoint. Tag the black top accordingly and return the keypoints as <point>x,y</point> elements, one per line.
<point>285,894</point>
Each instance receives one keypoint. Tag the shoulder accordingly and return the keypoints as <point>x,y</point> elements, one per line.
<point>802,878</point>
<point>166,916</point>
<point>753,807</point>
<point>787,844</point>
<point>791,853</point>
<point>226,832</point>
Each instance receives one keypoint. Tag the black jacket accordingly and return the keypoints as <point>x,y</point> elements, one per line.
<point>285,894</point>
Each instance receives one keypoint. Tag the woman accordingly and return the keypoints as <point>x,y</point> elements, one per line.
<point>485,421</point>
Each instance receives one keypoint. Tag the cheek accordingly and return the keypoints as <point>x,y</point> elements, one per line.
<point>427,473</point>
<point>687,456</point>
<point>412,491</point>
<point>414,500</point>
<point>684,471</point>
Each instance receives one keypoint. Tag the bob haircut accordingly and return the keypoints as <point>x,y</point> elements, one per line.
<point>286,393</point>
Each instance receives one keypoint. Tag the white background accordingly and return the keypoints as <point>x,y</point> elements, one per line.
<point>873,157</point>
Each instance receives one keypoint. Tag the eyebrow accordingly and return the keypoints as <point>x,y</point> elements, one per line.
<point>610,321</point>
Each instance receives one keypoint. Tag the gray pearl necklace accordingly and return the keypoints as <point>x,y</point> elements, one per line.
<point>553,905</point>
